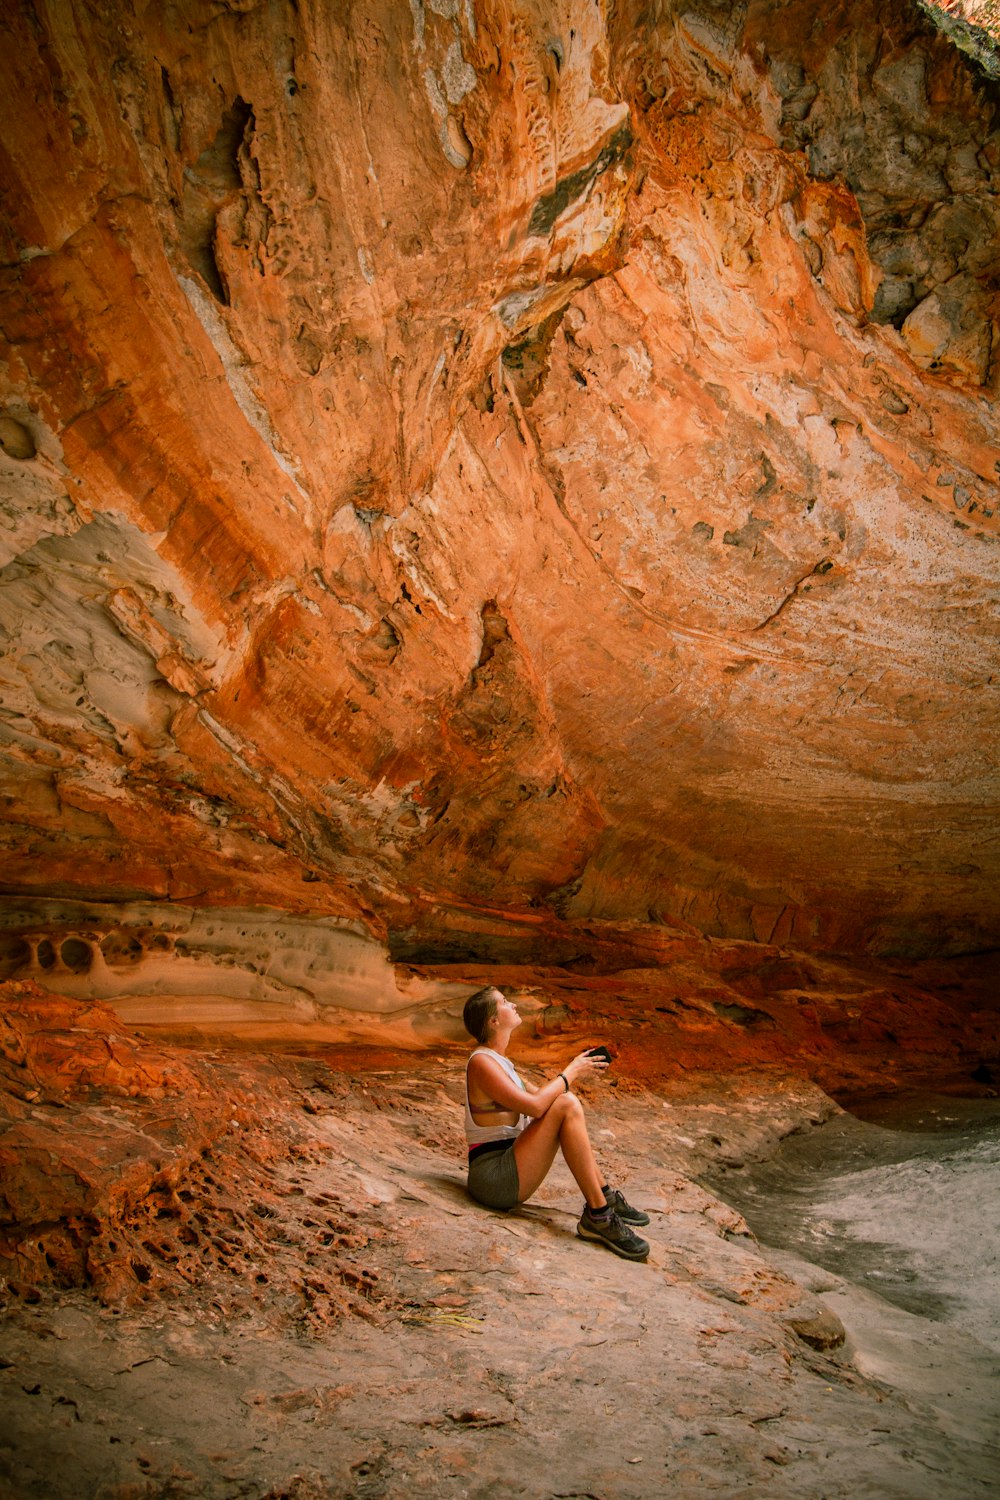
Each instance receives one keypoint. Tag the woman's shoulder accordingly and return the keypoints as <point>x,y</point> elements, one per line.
<point>484,1056</point>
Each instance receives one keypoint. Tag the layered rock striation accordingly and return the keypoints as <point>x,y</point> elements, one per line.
<point>475,471</point>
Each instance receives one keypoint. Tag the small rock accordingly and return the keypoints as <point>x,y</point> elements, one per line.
<point>819,1328</point>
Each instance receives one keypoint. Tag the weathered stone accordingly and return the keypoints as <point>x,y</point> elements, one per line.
<point>950,330</point>
<point>818,1327</point>
<point>339,341</point>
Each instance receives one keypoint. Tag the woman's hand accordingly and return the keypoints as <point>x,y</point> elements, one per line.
<point>584,1064</point>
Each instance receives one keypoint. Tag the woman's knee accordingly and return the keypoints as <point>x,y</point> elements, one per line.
<point>569,1106</point>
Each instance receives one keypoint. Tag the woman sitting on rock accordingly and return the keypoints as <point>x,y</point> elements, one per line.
<point>514,1130</point>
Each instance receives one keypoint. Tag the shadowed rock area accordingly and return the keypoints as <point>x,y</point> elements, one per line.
<point>491,491</point>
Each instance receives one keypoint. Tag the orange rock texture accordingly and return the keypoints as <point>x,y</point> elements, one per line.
<point>143,1169</point>
<point>141,1172</point>
<point>477,469</point>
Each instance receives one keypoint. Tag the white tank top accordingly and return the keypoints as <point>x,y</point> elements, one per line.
<point>478,1135</point>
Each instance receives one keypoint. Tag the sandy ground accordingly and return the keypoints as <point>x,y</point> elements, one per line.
<point>363,1329</point>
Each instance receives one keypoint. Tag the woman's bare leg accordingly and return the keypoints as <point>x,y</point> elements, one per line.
<point>563,1127</point>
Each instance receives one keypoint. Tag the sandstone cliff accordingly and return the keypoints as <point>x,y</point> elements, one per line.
<point>490,491</point>
<point>471,470</point>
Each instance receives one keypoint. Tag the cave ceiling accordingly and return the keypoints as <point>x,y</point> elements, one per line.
<point>487,464</point>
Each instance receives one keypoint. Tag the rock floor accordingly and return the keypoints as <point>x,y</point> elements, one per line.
<point>389,1338</point>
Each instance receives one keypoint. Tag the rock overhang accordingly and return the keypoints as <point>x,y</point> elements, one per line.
<point>544,472</point>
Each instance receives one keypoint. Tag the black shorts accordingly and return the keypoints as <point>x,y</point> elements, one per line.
<point>493,1179</point>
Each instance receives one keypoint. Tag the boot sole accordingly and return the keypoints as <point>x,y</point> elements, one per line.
<point>599,1239</point>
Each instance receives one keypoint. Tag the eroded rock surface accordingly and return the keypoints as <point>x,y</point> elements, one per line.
<point>473,466</point>
<point>140,1173</point>
<point>673,1001</point>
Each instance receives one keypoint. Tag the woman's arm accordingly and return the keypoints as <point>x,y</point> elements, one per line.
<point>493,1081</point>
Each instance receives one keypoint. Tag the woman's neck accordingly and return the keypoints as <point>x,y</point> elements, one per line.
<point>498,1042</point>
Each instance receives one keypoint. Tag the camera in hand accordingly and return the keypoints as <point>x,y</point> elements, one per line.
<point>601,1052</point>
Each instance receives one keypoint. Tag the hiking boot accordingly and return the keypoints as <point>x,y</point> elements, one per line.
<point>618,1204</point>
<point>612,1232</point>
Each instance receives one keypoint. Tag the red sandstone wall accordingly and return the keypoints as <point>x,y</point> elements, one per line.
<point>476,468</point>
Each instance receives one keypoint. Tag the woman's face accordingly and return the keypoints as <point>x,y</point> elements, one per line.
<point>506,1013</point>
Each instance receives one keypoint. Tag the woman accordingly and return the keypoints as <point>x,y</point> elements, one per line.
<point>514,1130</point>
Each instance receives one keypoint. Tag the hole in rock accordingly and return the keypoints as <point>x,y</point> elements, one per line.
<point>14,953</point>
<point>526,360</point>
<point>387,638</point>
<point>76,955</point>
<point>46,954</point>
<point>15,439</point>
<point>121,948</point>
<point>213,181</point>
<point>495,631</point>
